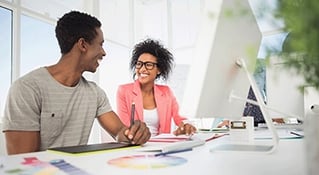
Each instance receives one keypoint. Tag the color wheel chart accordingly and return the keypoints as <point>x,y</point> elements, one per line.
<point>34,166</point>
<point>143,162</point>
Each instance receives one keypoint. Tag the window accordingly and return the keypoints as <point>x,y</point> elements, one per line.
<point>39,46</point>
<point>5,54</point>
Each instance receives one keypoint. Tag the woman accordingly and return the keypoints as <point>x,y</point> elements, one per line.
<point>154,104</point>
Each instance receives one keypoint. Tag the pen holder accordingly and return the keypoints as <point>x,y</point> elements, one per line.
<point>242,130</point>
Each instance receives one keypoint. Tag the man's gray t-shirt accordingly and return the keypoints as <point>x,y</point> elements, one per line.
<point>63,115</point>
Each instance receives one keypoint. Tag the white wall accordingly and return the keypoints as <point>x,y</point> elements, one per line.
<point>282,89</point>
<point>127,22</point>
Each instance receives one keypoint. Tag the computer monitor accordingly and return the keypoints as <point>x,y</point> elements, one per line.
<point>220,74</point>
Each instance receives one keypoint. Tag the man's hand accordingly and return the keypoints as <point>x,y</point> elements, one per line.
<point>138,133</point>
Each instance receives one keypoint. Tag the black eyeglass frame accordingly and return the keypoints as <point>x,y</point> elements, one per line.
<point>147,64</point>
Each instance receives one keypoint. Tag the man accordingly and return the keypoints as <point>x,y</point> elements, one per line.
<point>55,106</point>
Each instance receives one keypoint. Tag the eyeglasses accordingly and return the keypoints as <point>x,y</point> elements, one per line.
<point>148,65</point>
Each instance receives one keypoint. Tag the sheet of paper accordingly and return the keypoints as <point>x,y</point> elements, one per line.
<point>170,138</point>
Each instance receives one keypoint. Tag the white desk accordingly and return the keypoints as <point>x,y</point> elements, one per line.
<point>287,159</point>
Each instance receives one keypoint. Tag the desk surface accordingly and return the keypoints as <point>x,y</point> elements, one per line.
<point>287,159</point>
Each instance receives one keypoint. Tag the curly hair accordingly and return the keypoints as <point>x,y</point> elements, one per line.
<point>75,25</point>
<point>164,57</point>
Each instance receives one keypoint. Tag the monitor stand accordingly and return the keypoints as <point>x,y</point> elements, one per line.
<point>252,147</point>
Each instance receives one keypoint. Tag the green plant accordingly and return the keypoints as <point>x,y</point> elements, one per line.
<point>301,48</point>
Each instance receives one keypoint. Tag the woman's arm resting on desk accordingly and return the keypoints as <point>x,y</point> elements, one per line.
<point>22,141</point>
<point>136,134</point>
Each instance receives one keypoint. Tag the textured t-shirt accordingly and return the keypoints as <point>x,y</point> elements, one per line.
<point>63,115</point>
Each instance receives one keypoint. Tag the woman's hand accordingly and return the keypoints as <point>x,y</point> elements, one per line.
<point>224,123</point>
<point>187,129</point>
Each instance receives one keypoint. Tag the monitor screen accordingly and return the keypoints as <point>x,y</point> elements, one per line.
<point>228,32</point>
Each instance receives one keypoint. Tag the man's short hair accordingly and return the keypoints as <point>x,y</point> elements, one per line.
<point>75,25</point>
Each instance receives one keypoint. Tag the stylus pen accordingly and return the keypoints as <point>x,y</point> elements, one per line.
<point>296,134</point>
<point>132,114</point>
<point>173,152</point>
